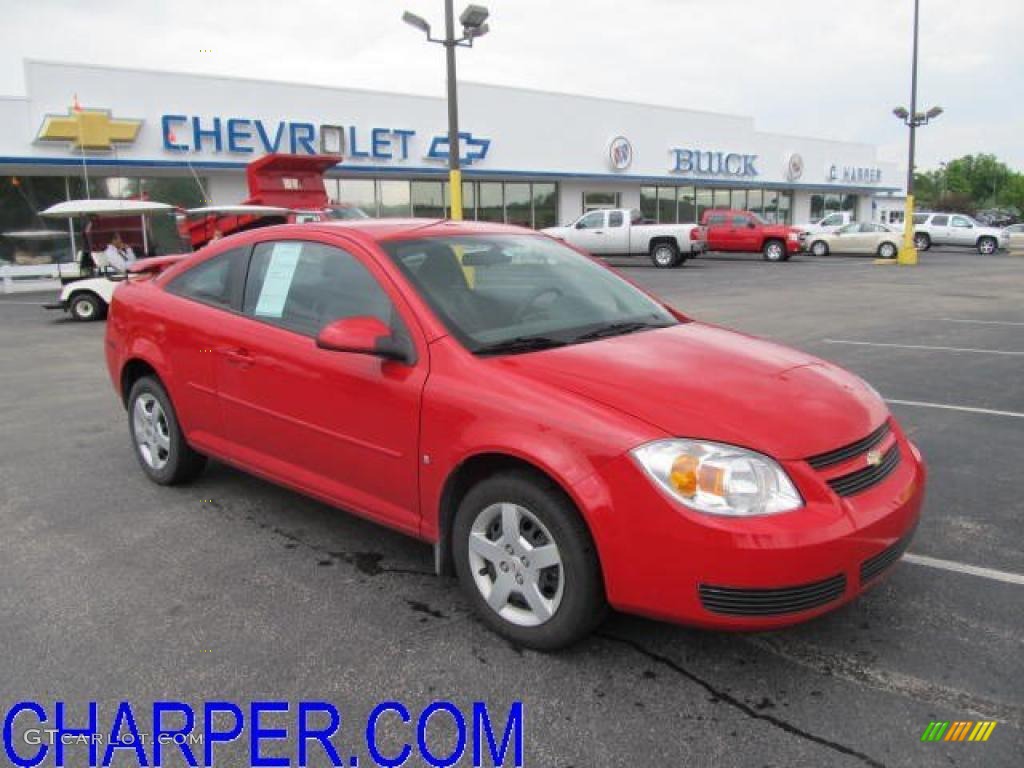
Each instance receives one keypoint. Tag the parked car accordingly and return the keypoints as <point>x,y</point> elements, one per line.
<point>858,237</point>
<point>829,223</point>
<point>728,230</point>
<point>955,229</point>
<point>563,439</point>
<point>620,231</point>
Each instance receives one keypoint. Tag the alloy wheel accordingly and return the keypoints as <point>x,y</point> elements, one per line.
<point>152,433</point>
<point>516,564</point>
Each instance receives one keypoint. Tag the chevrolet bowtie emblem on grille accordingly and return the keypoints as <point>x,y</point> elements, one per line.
<point>874,458</point>
<point>89,129</point>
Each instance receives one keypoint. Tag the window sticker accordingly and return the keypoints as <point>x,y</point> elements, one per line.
<point>278,279</point>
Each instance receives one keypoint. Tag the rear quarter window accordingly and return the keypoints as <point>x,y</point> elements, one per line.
<point>217,281</point>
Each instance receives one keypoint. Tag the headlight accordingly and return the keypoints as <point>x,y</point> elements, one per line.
<point>718,479</point>
<point>794,235</point>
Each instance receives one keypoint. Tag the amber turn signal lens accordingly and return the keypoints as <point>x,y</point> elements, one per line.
<point>684,475</point>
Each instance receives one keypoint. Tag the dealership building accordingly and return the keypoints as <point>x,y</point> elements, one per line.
<point>530,157</point>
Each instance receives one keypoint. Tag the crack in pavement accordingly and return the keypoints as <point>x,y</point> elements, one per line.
<point>844,667</point>
<point>732,701</point>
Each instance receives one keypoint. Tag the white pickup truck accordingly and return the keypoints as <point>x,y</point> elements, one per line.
<point>618,232</point>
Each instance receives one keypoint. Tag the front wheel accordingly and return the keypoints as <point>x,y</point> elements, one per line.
<point>665,255</point>
<point>819,248</point>
<point>987,246</point>
<point>922,242</point>
<point>160,445</point>
<point>85,307</point>
<point>774,250</point>
<point>527,561</point>
<point>887,251</point>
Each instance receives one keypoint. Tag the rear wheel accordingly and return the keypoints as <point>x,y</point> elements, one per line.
<point>85,307</point>
<point>922,242</point>
<point>527,562</point>
<point>774,250</point>
<point>987,246</point>
<point>819,248</point>
<point>160,445</point>
<point>665,255</point>
<point>887,251</point>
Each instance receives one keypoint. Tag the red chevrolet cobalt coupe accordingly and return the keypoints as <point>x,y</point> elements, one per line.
<point>564,440</point>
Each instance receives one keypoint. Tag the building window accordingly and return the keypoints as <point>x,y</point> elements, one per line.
<point>490,201</point>
<point>704,201</point>
<point>687,206</point>
<point>823,205</point>
<point>649,203</point>
<point>395,198</point>
<point>545,205</point>
<point>362,193</point>
<point>597,200</point>
<point>739,200</point>
<point>517,204</point>
<point>722,198</point>
<point>667,205</point>
<point>428,199</point>
<point>755,201</point>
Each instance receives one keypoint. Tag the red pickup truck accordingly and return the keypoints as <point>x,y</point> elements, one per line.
<point>745,231</point>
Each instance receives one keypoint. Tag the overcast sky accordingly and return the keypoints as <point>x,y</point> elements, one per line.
<point>824,68</point>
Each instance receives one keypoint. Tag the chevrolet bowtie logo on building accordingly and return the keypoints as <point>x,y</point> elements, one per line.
<point>89,128</point>
<point>961,730</point>
<point>475,148</point>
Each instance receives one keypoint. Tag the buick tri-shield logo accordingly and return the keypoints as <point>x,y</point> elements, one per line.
<point>620,153</point>
<point>794,167</point>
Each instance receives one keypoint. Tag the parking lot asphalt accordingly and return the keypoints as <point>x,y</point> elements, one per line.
<point>112,588</point>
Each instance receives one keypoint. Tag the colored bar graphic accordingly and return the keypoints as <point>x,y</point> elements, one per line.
<point>934,731</point>
<point>958,730</point>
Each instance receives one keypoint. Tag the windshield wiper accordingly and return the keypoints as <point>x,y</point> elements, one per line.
<point>519,344</point>
<point>618,329</point>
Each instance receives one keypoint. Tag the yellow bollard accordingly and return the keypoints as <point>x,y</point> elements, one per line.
<point>908,253</point>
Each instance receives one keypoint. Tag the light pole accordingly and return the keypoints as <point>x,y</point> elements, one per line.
<point>912,118</point>
<point>473,21</point>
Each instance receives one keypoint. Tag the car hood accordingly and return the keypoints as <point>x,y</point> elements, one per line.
<point>696,380</point>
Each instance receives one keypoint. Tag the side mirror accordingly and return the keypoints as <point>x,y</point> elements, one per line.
<point>751,225</point>
<point>364,336</point>
<point>578,224</point>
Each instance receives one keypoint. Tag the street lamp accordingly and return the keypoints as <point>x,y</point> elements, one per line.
<point>474,25</point>
<point>912,118</point>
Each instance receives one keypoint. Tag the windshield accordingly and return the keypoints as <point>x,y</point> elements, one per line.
<point>503,294</point>
<point>346,212</point>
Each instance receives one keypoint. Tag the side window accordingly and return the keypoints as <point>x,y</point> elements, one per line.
<point>217,281</point>
<point>615,219</point>
<point>940,221</point>
<point>593,220</point>
<point>960,221</point>
<point>920,218</point>
<point>832,221</point>
<point>717,220</point>
<point>740,221</point>
<point>303,286</point>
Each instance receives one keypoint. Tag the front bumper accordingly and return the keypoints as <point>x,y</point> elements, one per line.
<point>665,561</point>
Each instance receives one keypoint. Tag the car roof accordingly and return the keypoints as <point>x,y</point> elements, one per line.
<point>404,229</point>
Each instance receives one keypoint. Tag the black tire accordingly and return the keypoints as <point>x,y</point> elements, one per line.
<point>182,463</point>
<point>582,603</point>
<point>774,251</point>
<point>819,248</point>
<point>665,255</point>
<point>922,242</point>
<point>987,245</point>
<point>887,251</point>
<point>86,307</point>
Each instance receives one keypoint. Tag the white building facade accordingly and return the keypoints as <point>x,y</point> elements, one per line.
<point>530,157</point>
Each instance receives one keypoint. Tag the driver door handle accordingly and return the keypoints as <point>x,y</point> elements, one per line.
<point>239,356</point>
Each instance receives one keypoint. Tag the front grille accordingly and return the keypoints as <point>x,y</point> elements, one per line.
<point>874,566</point>
<point>734,601</point>
<point>838,456</point>
<point>869,476</point>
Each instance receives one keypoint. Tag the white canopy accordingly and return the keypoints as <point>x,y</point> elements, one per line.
<point>36,234</point>
<point>105,207</point>
<point>239,210</point>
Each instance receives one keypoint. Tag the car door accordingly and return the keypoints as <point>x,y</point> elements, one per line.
<point>938,229</point>
<point>589,232</point>
<point>743,234</point>
<point>719,232</point>
<point>616,238</point>
<point>961,231</point>
<point>206,295</point>
<point>339,425</point>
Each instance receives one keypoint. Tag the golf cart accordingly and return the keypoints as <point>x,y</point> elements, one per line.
<point>148,228</point>
<point>32,258</point>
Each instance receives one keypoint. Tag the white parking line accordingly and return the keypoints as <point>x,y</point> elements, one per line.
<point>973,570</point>
<point>980,322</point>
<point>922,346</point>
<point>964,408</point>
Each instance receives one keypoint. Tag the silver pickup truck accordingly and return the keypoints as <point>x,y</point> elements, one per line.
<point>619,232</point>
